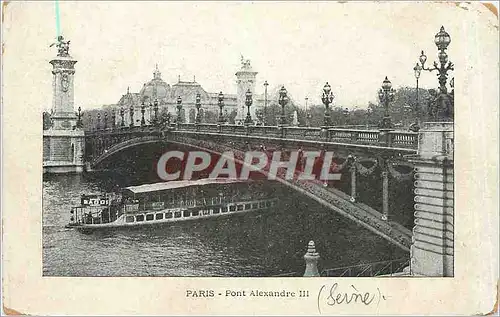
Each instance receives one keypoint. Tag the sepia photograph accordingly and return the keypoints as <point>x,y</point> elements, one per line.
<point>184,172</point>
<point>251,140</point>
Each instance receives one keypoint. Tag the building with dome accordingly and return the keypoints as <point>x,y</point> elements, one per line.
<point>157,90</point>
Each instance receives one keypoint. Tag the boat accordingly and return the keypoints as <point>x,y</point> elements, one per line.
<point>170,202</point>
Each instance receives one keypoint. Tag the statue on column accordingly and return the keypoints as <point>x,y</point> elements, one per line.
<point>62,46</point>
<point>245,63</point>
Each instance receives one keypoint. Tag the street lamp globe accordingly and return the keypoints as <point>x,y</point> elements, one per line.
<point>381,95</point>
<point>283,93</point>
<point>417,69</point>
<point>392,94</point>
<point>328,96</point>
<point>386,84</point>
<point>443,57</point>
<point>422,58</point>
<point>442,39</point>
<point>327,88</point>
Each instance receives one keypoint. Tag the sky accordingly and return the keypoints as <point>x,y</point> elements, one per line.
<point>300,45</point>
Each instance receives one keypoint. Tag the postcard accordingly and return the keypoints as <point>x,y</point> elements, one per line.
<point>250,158</point>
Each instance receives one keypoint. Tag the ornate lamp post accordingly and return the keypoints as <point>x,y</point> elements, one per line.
<point>155,109</point>
<point>248,103</point>
<point>308,113</point>
<point>179,108</point>
<point>131,109</point>
<point>91,127</point>
<point>221,105</point>
<point>198,106</point>
<point>283,100</point>
<point>143,109</point>
<point>122,113</point>
<point>265,102</point>
<point>98,121</point>
<point>327,99</point>
<point>442,109</point>
<point>386,95</point>
<point>105,120</point>
<point>417,71</point>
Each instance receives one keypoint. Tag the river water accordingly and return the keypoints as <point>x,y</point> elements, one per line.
<point>244,245</point>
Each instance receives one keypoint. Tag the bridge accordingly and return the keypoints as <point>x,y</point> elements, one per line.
<point>355,148</point>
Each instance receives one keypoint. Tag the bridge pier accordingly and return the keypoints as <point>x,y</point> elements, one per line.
<point>432,252</point>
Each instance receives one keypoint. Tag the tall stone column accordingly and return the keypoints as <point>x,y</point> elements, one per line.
<point>432,252</point>
<point>64,142</point>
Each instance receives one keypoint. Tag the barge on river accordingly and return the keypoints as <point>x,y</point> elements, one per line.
<point>170,202</point>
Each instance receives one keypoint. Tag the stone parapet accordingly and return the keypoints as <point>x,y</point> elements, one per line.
<point>64,133</point>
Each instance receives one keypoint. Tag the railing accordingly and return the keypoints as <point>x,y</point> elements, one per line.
<point>382,268</point>
<point>397,139</point>
<point>342,135</point>
<point>159,205</point>
<point>405,139</point>
<point>369,270</point>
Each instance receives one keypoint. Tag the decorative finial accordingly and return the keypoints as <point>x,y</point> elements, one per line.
<point>156,73</point>
<point>311,249</point>
<point>128,90</point>
<point>194,78</point>
<point>179,78</point>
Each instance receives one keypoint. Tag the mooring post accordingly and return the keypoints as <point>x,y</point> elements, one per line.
<point>311,257</point>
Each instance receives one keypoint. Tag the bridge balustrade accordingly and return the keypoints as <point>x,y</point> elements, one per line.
<point>233,129</point>
<point>188,126</point>
<point>352,136</point>
<point>296,132</point>
<point>404,139</point>
<point>208,127</point>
